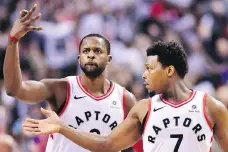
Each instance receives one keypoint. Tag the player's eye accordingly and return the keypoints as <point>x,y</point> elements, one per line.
<point>97,50</point>
<point>85,51</point>
<point>148,68</point>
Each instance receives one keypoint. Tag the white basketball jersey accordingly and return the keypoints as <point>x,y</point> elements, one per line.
<point>177,128</point>
<point>88,113</point>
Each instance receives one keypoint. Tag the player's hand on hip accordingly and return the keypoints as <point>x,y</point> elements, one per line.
<point>43,127</point>
<point>24,24</point>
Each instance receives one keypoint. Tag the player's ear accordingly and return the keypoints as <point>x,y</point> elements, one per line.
<point>109,58</point>
<point>170,70</point>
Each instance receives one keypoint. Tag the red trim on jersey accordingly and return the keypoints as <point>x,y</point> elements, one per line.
<point>138,147</point>
<point>204,112</point>
<point>67,99</point>
<point>109,91</point>
<point>52,136</point>
<point>179,104</point>
<point>124,103</point>
<point>211,145</point>
<point>211,139</point>
<point>148,114</point>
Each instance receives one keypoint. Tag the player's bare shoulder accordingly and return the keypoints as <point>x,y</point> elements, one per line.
<point>219,115</point>
<point>141,109</point>
<point>214,108</point>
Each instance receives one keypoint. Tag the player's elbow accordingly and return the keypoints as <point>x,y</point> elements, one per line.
<point>11,92</point>
<point>108,145</point>
<point>12,89</point>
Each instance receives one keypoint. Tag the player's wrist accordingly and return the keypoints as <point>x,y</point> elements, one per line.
<point>12,38</point>
<point>62,128</point>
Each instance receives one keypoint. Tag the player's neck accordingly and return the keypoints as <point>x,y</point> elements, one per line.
<point>177,92</point>
<point>97,85</point>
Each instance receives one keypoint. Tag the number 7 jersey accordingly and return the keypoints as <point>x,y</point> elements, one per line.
<point>182,127</point>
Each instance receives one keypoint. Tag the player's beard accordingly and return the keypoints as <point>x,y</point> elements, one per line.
<point>152,93</point>
<point>93,73</point>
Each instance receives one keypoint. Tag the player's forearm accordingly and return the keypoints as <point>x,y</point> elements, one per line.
<point>225,147</point>
<point>86,140</point>
<point>222,142</point>
<point>12,71</point>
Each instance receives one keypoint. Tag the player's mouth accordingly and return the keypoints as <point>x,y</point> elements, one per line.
<point>91,64</point>
<point>146,84</point>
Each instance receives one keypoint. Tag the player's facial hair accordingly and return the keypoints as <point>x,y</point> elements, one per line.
<point>151,94</point>
<point>93,73</point>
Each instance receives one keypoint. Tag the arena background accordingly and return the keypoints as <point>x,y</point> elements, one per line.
<point>201,26</point>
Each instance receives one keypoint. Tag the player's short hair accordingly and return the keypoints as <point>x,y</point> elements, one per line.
<point>170,53</point>
<point>107,43</point>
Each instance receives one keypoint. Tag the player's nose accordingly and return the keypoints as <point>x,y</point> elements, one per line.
<point>144,75</point>
<point>91,55</point>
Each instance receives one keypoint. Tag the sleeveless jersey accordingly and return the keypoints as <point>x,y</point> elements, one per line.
<point>177,128</point>
<point>88,113</point>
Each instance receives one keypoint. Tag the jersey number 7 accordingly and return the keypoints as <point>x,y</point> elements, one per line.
<point>179,137</point>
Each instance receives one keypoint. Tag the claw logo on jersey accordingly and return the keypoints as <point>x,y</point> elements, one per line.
<point>196,128</point>
<point>95,115</point>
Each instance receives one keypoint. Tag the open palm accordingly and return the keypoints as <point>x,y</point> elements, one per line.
<point>43,127</point>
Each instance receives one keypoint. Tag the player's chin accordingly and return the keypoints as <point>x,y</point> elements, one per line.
<point>91,68</point>
<point>149,88</point>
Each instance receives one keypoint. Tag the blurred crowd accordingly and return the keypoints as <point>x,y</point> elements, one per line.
<point>201,26</point>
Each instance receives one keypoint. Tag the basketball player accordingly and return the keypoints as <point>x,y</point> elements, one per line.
<point>88,103</point>
<point>177,119</point>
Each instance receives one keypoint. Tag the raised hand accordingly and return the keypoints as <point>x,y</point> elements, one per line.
<point>43,127</point>
<point>24,24</point>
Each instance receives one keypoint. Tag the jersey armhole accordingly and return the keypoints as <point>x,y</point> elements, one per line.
<point>205,113</point>
<point>146,118</point>
<point>65,104</point>
<point>144,121</point>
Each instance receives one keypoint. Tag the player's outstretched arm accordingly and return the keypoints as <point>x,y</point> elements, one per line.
<point>122,137</point>
<point>28,91</point>
<point>219,116</point>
